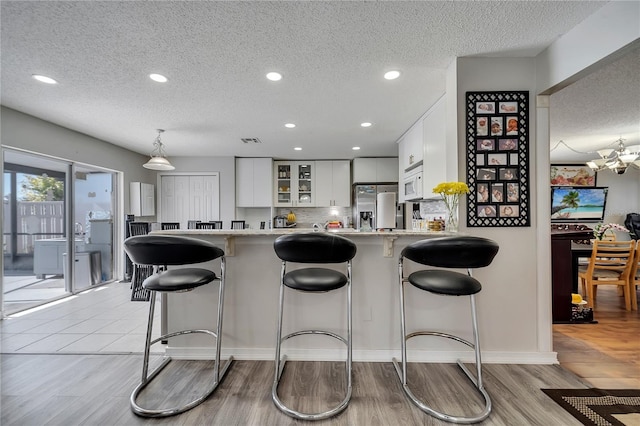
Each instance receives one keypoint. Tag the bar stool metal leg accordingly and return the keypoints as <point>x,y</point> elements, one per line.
<point>219,373</point>
<point>401,370</point>
<point>281,360</point>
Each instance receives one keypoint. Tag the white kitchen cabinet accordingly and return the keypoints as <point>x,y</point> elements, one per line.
<point>435,148</point>
<point>413,147</point>
<point>333,183</point>
<point>254,177</point>
<point>375,170</point>
<point>387,169</point>
<point>365,170</point>
<point>189,197</point>
<point>142,201</point>
<point>294,183</point>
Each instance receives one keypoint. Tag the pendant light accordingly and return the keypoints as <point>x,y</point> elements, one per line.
<point>158,160</point>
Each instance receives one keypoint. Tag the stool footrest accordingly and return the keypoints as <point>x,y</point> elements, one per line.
<point>309,416</point>
<point>145,412</point>
<point>164,337</point>
<point>323,332</point>
<point>443,416</point>
<point>440,334</point>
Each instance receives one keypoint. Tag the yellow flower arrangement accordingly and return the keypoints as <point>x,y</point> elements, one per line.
<point>450,193</point>
<point>451,188</point>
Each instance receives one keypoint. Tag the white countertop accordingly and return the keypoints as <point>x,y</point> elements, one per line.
<point>283,231</point>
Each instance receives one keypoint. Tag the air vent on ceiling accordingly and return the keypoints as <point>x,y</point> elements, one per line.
<point>251,140</point>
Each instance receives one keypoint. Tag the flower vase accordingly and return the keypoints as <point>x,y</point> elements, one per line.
<point>451,223</point>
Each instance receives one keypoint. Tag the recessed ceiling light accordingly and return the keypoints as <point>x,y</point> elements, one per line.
<point>158,77</point>
<point>274,76</point>
<point>392,75</point>
<point>365,124</point>
<point>44,79</point>
<point>297,148</point>
<point>356,148</point>
<point>289,125</point>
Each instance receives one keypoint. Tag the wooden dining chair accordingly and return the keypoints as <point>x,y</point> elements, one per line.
<point>610,264</point>
<point>634,278</point>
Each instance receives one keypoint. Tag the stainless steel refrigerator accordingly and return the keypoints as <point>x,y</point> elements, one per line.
<point>364,206</point>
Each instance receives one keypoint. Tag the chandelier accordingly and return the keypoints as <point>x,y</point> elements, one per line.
<point>158,160</point>
<point>618,159</point>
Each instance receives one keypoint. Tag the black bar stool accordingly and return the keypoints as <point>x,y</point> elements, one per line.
<point>170,225</point>
<point>305,248</point>
<point>139,272</point>
<point>160,251</point>
<point>237,224</point>
<point>449,252</point>
<point>191,224</point>
<point>206,225</point>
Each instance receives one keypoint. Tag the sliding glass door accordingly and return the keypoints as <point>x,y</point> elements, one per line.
<point>57,229</point>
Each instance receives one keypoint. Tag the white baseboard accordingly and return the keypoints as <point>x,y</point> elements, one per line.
<point>268,354</point>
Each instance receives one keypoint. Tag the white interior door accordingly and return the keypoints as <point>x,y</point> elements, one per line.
<point>185,197</point>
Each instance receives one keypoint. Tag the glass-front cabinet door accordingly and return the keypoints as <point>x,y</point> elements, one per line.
<point>283,184</point>
<point>294,183</point>
<point>306,184</point>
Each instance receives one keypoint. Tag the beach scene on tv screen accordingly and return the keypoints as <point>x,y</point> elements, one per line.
<point>578,203</point>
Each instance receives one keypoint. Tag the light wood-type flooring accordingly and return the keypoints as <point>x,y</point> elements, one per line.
<point>94,390</point>
<point>74,385</point>
<point>607,354</point>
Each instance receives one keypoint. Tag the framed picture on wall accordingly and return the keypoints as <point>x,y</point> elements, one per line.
<point>498,158</point>
<point>572,175</point>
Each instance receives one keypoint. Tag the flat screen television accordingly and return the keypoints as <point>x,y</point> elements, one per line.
<point>578,204</point>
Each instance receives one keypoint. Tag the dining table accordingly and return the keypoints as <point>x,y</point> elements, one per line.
<point>564,271</point>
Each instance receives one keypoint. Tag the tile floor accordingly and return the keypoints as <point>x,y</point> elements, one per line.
<point>25,291</point>
<point>100,320</point>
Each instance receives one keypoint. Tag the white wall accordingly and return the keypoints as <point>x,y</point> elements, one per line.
<point>507,303</point>
<point>26,132</point>
<point>624,194</point>
<point>601,38</point>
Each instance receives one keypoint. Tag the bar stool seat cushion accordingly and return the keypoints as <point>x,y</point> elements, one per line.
<point>315,279</point>
<point>445,282</point>
<point>179,279</point>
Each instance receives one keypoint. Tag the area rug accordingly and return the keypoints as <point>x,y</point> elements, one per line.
<point>602,407</point>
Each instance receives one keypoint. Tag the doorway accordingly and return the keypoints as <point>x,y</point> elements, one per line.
<point>49,209</point>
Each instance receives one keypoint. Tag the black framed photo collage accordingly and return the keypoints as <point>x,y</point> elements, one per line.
<point>498,159</point>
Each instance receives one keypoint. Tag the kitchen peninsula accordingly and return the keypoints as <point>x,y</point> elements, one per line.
<point>251,302</point>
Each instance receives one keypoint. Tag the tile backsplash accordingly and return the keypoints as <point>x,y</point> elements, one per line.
<point>307,216</point>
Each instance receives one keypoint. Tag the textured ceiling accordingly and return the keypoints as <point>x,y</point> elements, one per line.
<point>596,111</point>
<point>216,54</point>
